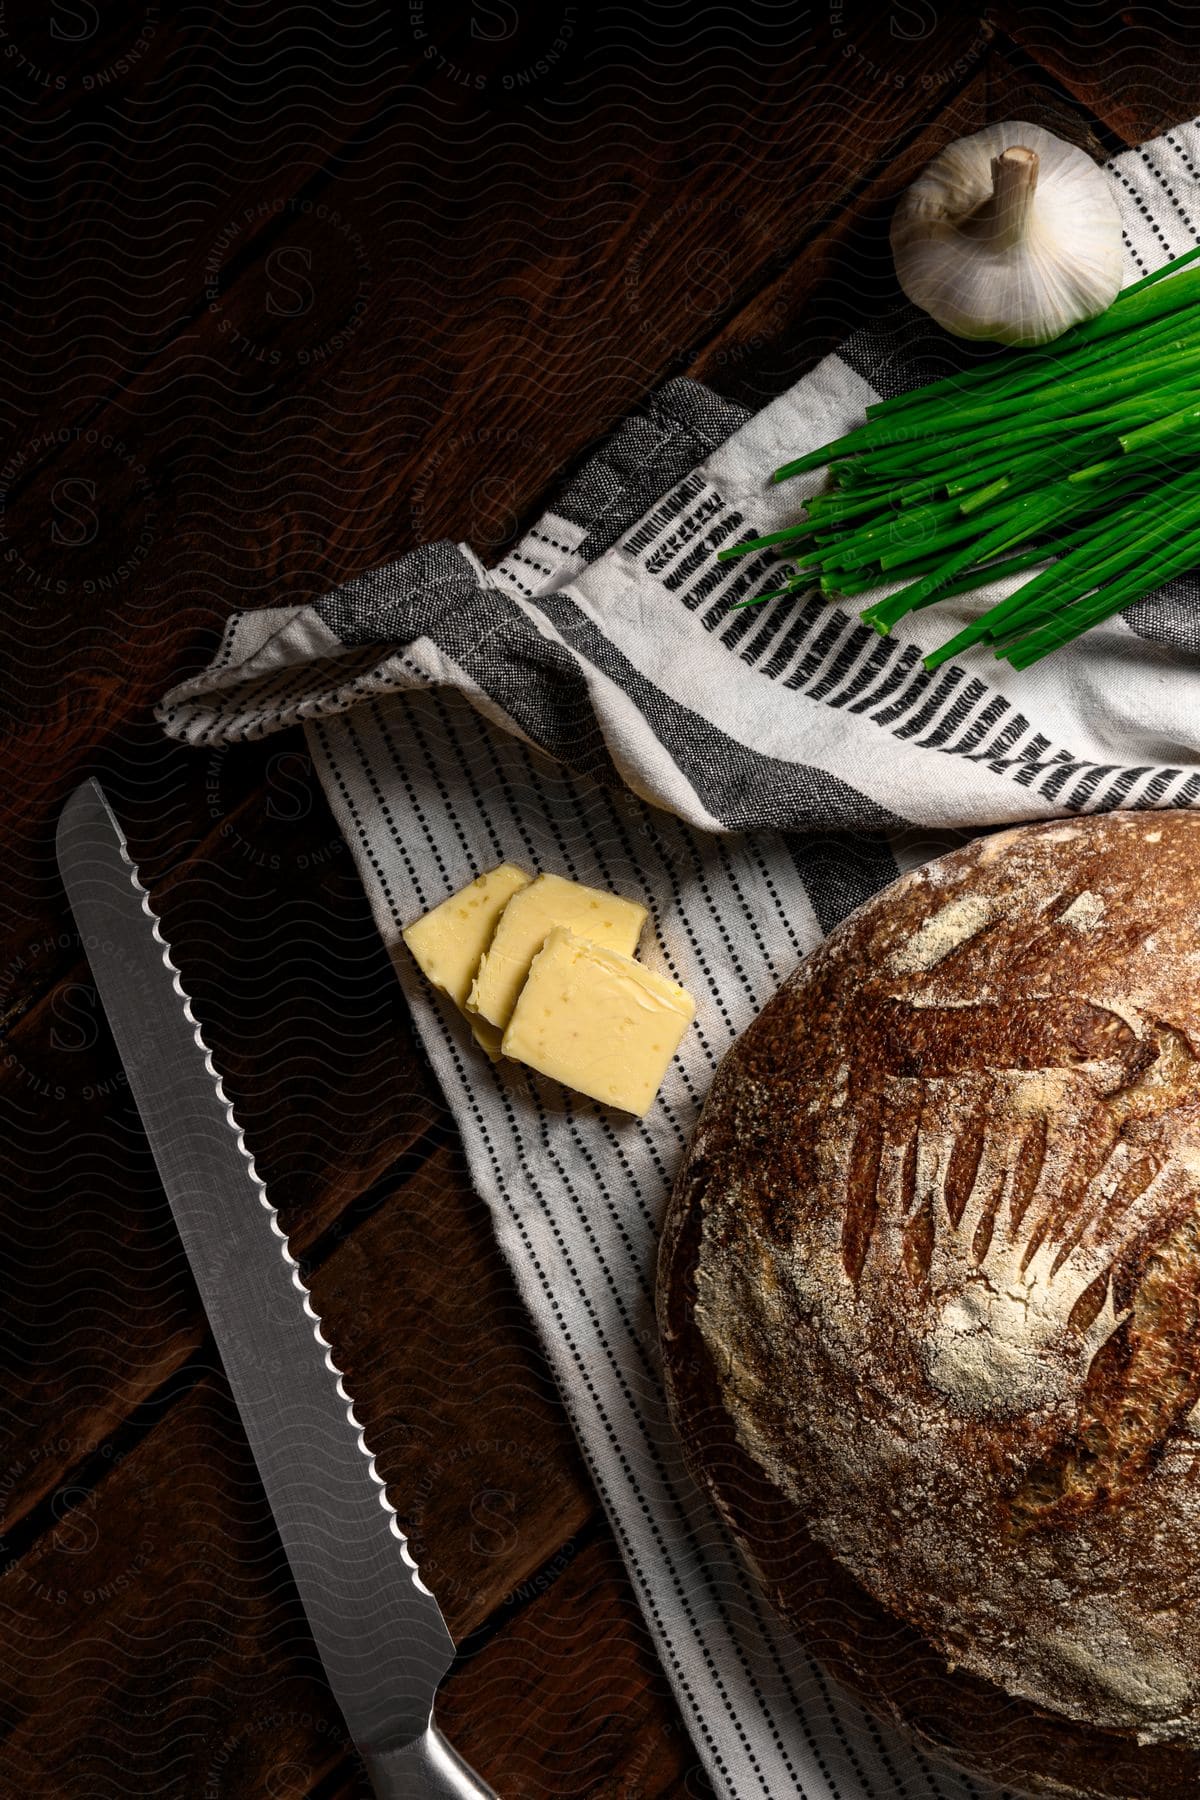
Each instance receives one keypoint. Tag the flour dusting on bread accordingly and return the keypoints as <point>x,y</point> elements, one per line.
<point>949,1266</point>
<point>954,924</point>
<point>1085,911</point>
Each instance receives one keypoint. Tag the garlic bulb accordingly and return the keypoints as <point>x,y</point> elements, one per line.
<point>1010,234</point>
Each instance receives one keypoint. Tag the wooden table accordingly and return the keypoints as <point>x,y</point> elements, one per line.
<point>290,290</point>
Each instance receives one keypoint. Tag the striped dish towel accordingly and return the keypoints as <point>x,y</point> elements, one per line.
<point>594,705</point>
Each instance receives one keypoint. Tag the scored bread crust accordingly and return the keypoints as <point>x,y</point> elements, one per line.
<point>929,1298</point>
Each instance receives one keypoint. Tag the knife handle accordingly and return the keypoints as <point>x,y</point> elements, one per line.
<point>429,1768</point>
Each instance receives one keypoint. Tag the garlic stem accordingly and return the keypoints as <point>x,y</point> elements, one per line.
<point>1003,218</point>
<point>1010,235</point>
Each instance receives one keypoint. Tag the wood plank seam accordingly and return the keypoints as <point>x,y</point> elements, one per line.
<point>1030,69</point>
<point>341,160</point>
<point>312,1256</point>
<point>528,1591</point>
<point>89,1473</point>
<point>259,241</point>
<point>74,968</point>
<point>946,99</point>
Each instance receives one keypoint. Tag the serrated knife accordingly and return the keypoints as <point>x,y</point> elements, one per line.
<point>379,1630</point>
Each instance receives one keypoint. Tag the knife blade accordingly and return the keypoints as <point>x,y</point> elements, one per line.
<point>378,1628</point>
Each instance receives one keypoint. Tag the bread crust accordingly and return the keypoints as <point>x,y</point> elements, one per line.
<point>929,1300</point>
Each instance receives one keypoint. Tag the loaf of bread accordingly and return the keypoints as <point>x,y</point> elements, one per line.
<point>929,1296</point>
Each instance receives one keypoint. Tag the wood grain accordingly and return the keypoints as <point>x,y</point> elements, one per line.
<point>155,1643</point>
<point>602,1722</point>
<point>1134,68</point>
<point>461,1414</point>
<point>306,1019</point>
<point>845,277</point>
<point>137,152</point>
<point>325,285</point>
<point>531,322</point>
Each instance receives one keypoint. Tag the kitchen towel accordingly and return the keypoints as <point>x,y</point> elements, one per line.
<point>597,704</point>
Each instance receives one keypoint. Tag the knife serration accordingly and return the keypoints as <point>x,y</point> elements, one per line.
<point>378,1628</point>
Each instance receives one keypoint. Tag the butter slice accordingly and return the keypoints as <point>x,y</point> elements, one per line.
<point>598,1022</point>
<point>527,921</point>
<point>449,941</point>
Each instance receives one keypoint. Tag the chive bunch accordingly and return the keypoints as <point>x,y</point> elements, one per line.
<point>1086,451</point>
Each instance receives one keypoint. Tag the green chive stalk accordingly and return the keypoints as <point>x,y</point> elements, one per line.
<point>1077,463</point>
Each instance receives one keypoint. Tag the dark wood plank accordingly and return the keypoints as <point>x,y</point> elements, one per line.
<point>1136,68</point>
<point>167,1570</point>
<point>567,1698</point>
<point>570,1698</point>
<point>155,1644</point>
<point>495,277</point>
<point>845,275</point>
<point>458,1405</point>
<point>146,150</point>
<point>306,1018</point>
<point>265,456</point>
